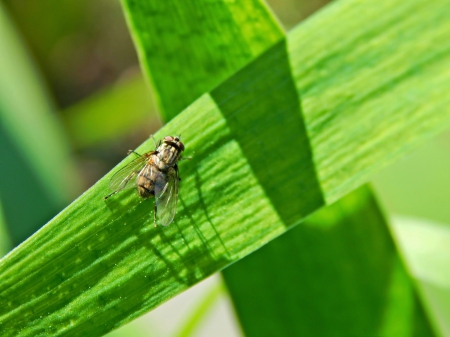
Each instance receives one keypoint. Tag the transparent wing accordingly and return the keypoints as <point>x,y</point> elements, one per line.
<point>166,193</point>
<point>122,178</point>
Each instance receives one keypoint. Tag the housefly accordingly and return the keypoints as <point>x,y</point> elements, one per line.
<point>155,174</point>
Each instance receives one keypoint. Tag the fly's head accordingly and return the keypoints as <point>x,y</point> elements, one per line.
<point>175,142</point>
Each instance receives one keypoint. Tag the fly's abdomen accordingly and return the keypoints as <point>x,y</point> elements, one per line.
<point>146,187</point>
<point>146,182</point>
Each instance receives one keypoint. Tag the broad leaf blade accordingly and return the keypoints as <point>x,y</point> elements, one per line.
<point>406,99</point>
<point>338,274</point>
<point>170,54</point>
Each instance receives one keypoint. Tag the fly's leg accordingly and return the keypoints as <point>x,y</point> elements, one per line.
<point>132,151</point>
<point>110,194</point>
<point>154,141</point>
<point>154,216</point>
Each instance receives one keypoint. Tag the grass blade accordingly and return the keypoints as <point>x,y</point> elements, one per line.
<point>337,274</point>
<point>201,69</point>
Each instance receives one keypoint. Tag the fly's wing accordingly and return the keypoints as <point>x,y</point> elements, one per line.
<point>122,178</point>
<point>166,194</point>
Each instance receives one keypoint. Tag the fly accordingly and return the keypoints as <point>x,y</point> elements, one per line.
<point>155,174</point>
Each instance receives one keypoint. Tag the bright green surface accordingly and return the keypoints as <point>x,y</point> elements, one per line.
<point>338,274</point>
<point>347,74</point>
<point>36,173</point>
<point>168,35</point>
<point>97,265</point>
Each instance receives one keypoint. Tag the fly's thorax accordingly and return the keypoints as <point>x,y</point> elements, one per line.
<point>168,156</point>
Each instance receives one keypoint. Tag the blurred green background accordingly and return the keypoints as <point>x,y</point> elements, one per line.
<point>80,56</point>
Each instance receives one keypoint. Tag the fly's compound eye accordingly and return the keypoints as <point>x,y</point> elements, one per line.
<point>168,138</point>
<point>181,146</point>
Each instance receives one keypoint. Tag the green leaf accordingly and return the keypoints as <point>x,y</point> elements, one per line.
<point>338,274</point>
<point>168,44</point>
<point>37,175</point>
<point>365,94</point>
